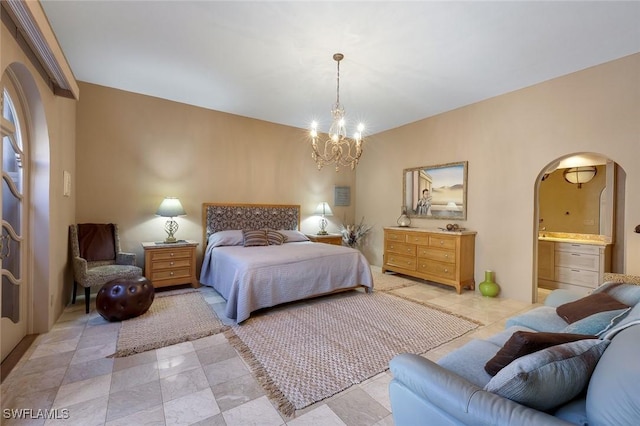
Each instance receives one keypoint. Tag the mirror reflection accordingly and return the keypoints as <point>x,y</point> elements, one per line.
<point>436,192</point>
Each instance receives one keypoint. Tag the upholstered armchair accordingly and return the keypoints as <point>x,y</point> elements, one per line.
<point>97,258</point>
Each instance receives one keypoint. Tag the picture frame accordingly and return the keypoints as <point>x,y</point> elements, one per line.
<point>436,192</point>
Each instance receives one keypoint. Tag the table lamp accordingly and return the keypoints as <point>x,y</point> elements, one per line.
<point>323,210</point>
<point>170,207</point>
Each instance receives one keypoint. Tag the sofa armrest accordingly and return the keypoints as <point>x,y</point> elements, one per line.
<point>123,258</point>
<point>561,296</point>
<point>456,399</point>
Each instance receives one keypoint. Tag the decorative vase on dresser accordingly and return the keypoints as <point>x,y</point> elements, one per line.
<point>431,254</point>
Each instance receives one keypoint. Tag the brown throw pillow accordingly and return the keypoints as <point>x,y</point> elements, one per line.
<point>587,306</point>
<point>523,343</point>
<point>96,241</point>
<point>255,238</point>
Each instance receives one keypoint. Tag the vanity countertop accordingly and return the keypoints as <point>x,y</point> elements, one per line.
<point>567,237</point>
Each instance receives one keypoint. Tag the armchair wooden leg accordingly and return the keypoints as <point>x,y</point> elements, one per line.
<point>75,289</point>
<point>87,297</point>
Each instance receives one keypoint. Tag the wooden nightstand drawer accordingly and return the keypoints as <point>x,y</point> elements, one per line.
<point>171,274</point>
<point>171,264</point>
<point>163,254</point>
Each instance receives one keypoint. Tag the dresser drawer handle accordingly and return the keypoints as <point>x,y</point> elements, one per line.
<point>446,256</point>
<point>172,263</point>
<point>441,242</point>
<point>171,273</point>
<point>446,270</point>
<point>171,254</point>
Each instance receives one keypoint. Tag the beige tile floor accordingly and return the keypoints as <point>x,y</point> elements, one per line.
<point>202,382</point>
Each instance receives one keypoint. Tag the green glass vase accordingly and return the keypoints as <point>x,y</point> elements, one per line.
<point>488,287</point>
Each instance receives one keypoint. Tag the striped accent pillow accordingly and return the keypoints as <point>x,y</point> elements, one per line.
<point>275,238</point>
<point>255,238</point>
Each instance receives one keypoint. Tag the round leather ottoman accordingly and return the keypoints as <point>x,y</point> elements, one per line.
<point>119,300</point>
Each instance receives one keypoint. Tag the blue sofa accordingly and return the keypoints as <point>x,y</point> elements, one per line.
<point>458,391</point>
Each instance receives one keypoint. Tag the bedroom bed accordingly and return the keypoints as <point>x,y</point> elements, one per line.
<point>288,268</point>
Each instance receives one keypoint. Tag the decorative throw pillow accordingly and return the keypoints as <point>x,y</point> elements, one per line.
<point>588,305</point>
<point>255,238</point>
<point>275,238</point>
<point>293,236</point>
<point>96,241</point>
<point>596,324</point>
<point>551,377</point>
<point>523,343</point>
<point>226,238</point>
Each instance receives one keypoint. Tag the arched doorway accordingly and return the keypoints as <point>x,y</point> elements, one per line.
<point>579,201</point>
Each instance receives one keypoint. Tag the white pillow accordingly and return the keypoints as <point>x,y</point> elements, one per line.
<point>226,238</point>
<point>293,236</point>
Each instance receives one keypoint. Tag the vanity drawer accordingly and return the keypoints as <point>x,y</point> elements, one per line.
<point>442,241</point>
<point>447,256</point>
<point>587,262</point>
<point>401,261</point>
<point>579,277</point>
<point>444,270</point>
<point>578,248</point>
<point>400,248</point>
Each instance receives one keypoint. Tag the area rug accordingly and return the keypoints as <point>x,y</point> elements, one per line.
<point>388,282</point>
<point>305,354</point>
<point>173,318</point>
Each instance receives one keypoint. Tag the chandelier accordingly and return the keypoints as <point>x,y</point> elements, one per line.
<point>338,149</point>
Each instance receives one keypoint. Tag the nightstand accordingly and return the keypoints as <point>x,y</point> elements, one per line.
<point>335,239</point>
<point>167,264</point>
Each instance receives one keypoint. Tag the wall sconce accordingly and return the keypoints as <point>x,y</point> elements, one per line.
<point>171,207</point>
<point>323,210</point>
<point>580,175</point>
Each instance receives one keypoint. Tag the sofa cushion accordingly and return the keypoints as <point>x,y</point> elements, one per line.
<point>523,343</point>
<point>543,318</point>
<point>96,241</point>
<point>632,318</point>
<point>551,377</point>
<point>468,361</point>
<point>596,324</point>
<point>629,294</point>
<point>588,305</point>
<point>612,396</point>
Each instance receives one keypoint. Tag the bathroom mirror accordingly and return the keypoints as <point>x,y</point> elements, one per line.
<point>436,192</point>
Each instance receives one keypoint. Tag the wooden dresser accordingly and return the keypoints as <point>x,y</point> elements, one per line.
<point>170,264</point>
<point>440,256</point>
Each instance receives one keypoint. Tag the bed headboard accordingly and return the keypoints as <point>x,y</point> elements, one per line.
<point>225,216</point>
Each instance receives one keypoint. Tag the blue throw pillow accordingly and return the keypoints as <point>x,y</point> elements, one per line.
<point>551,377</point>
<point>596,324</point>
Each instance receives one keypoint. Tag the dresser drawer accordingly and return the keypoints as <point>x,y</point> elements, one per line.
<point>578,248</point>
<point>170,274</point>
<point>589,262</point>
<point>578,277</point>
<point>165,254</point>
<point>400,248</point>
<point>447,256</point>
<point>170,264</point>
<point>401,261</point>
<point>442,241</point>
<point>444,270</point>
<point>416,238</point>
<point>395,236</point>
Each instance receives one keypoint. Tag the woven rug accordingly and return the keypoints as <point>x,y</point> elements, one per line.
<point>309,353</point>
<point>388,282</point>
<point>174,317</point>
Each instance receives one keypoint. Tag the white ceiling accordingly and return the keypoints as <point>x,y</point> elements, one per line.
<point>404,61</point>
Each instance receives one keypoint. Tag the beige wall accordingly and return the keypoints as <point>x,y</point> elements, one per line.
<point>509,141</point>
<point>51,150</point>
<point>133,150</point>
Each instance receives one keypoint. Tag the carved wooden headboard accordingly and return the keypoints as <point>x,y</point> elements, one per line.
<point>225,216</point>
